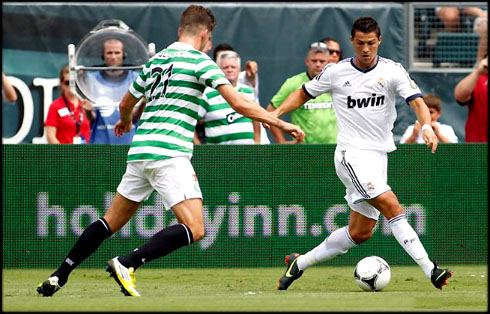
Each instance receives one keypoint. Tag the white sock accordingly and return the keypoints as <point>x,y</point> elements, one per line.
<point>410,242</point>
<point>337,243</point>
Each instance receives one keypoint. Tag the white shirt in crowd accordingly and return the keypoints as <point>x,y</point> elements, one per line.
<point>444,129</point>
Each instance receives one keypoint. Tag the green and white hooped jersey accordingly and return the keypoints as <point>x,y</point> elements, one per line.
<point>172,82</point>
<point>222,124</point>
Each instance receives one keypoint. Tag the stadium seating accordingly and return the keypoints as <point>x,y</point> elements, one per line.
<point>458,48</point>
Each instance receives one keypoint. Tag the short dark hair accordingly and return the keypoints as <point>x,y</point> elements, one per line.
<point>327,39</point>
<point>221,47</point>
<point>432,101</point>
<point>195,17</point>
<point>365,24</point>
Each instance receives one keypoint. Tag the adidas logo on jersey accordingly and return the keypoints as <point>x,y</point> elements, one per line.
<point>346,84</point>
<point>365,102</point>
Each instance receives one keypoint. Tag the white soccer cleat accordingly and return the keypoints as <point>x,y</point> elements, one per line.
<point>123,276</point>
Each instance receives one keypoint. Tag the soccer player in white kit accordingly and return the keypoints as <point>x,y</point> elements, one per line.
<point>363,90</point>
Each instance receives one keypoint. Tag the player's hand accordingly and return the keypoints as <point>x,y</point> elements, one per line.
<point>430,139</point>
<point>293,130</point>
<point>295,141</point>
<point>275,114</point>
<point>122,127</point>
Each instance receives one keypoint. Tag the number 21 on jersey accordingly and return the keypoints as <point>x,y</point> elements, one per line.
<point>159,90</point>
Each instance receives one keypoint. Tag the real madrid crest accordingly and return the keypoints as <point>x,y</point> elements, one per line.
<point>413,85</point>
<point>381,81</point>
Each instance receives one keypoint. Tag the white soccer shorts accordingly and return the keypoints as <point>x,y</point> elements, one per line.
<point>174,179</point>
<point>364,174</point>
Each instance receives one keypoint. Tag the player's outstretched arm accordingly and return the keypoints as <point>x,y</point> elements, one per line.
<point>295,100</point>
<point>138,109</point>
<point>423,116</point>
<point>277,133</point>
<point>126,109</point>
<point>249,108</point>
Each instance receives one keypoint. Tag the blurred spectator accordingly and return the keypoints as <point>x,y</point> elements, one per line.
<point>8,91</point>
<point>481,27</point>
<point>209,45</point>
<point>221,47</point>
<point>472,91</point>
<point>453,17</point>
<point>317,116</point>
<point>249,77</point>
<point>450,17</point>
<point>108,88</point>
<point>334,50</point>
<point>222,124</point>
<point>445,133</point>
<point>199,136</point>
<point>68,120</point>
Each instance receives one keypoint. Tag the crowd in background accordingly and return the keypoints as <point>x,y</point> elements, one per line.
<point>78,121</point>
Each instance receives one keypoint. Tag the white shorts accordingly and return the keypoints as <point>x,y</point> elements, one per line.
<point>364,174</point>
<point>174,179</point>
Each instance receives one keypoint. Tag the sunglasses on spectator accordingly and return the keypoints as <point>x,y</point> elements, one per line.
<point>320,45</point>
<point>66,83</point>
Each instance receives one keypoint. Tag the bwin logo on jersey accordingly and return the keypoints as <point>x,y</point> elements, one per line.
<point>365,102</point>
<point>232,117</point>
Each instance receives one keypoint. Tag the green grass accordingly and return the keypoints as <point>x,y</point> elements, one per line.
<point>321,288</point>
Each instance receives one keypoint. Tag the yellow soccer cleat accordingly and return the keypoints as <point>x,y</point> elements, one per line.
<point>123,276</point>
<point>48,287</point>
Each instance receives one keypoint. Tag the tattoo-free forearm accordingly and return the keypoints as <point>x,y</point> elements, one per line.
<point>421,111</point>
<point>295,100</point>
<point>247,107</point>
<point>126,107</point>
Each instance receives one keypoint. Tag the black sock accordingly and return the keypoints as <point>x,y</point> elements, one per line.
<point>89,241</point>
<point>162,243</point>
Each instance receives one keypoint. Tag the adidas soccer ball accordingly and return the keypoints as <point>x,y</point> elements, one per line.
<point>372,273</point>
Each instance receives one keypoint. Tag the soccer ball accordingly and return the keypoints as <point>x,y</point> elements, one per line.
<point>372,273</point>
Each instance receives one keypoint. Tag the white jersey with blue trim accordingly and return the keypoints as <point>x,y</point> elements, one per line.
<point>364,100</point>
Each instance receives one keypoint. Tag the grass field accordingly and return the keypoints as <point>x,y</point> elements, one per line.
<point>321,288</point>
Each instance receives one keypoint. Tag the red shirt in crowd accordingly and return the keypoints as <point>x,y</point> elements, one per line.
<point>477,123</point>
<point>59,117</point>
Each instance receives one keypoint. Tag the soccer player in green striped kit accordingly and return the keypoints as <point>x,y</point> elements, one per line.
<point>172,83</point>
